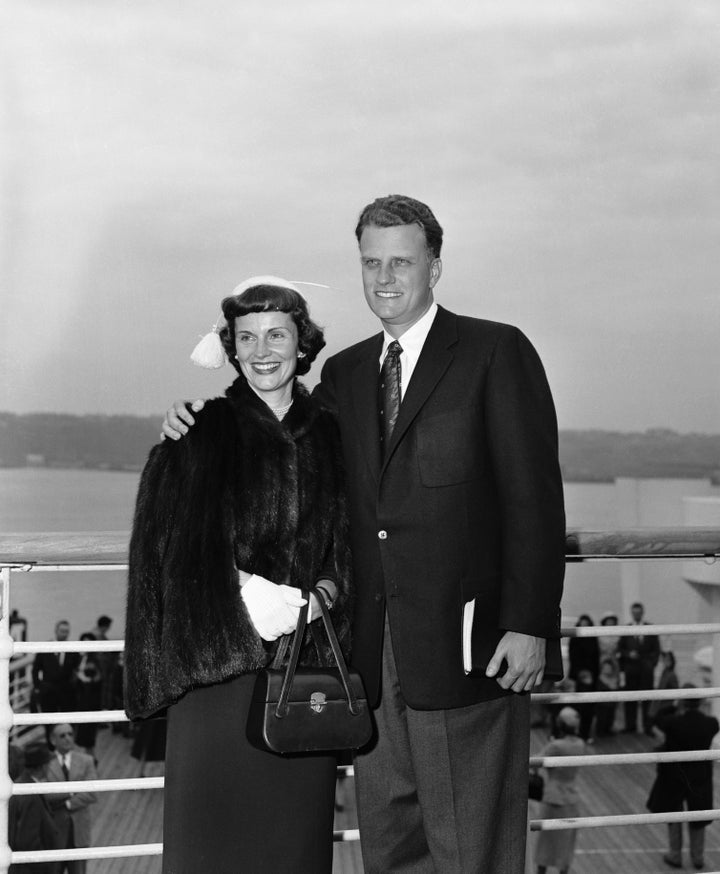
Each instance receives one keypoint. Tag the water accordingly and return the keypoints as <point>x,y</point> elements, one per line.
<point>39,499</point>
<point>33,500</point>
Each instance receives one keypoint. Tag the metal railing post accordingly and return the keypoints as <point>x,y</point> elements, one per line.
<point>6,716</point>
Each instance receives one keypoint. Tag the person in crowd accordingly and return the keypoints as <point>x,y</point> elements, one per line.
<point>639,655</point>
<point>608,681</point>
<point>584,657</point>
<point>555,849</point>
<point>668,680</point>
<point>105,661</point>
<point>230,524</point>
<point>30,821</point>
<point>18,625</point>
<point>71,811</point>
<point>89,684</point>
<point>680,785</point>
<point>439,412</point>
<point>53,675</point>
<point>609,645</point>
<point>149,743</point>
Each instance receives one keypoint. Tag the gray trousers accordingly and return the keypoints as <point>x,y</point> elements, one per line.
<point>444,791</point>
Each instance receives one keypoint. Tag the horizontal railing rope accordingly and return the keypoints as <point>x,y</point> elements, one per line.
<point>107,551</point>
<point>547,825</point>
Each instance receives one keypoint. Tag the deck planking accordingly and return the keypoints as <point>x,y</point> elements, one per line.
<point>136,817</point>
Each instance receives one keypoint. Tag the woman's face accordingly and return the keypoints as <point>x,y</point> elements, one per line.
<point>267,348</point>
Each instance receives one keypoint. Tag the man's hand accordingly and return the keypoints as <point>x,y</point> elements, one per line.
<point>525,657</point>
<point>179,418</point>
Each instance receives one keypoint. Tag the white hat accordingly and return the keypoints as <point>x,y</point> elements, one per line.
<point>209,352</point>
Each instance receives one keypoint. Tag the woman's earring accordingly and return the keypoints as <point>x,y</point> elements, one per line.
<point>301,354</point>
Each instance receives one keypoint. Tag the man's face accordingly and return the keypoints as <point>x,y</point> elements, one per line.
<point>62,631</point>
<point>63,738</point>
<point>637,614</point>
<point>398,276</point>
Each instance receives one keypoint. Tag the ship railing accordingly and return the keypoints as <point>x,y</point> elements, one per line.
<point>107,551</point>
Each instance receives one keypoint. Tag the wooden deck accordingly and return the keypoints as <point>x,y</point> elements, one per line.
<point>136,817</point>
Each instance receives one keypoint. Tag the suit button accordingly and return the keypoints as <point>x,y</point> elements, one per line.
<point>382,535</point>
<point>378,598</point>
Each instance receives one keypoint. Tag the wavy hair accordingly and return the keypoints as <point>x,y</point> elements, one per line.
<point>273,298</point>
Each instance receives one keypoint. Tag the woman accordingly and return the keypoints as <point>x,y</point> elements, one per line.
<point>668,680</point>
<point>230,522</point>
<point>610,644</point>
<point>555,849</point>
<point>584,654</point>
<point>88,684</point>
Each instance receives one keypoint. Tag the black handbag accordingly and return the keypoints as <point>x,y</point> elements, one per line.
<point>301,710</point>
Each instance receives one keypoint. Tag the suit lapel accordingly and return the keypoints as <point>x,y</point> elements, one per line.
<point>365,403</point>
<point>436,356</point>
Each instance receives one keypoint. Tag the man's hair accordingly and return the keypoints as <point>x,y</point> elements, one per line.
<point>104,622</point>
<point>397,209</point>
<point>272,298</point>
<point>639,605</point>
<point>61,622</point>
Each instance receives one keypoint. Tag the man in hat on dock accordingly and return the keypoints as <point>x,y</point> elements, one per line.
<point>71,812</point>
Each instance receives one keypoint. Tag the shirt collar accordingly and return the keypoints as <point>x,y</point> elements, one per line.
<point>414,338</point>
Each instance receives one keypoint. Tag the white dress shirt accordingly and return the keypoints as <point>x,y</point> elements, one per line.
<point>412,342</point>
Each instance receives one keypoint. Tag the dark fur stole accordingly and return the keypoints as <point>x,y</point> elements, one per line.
<point>240,490</point>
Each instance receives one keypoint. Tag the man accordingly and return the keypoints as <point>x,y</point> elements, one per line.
<point>53,674</point>
<point>639,655</point>
<point>30,821</point>
<point>458,500</point>
<point>680,784</point>
<point>71,812</point>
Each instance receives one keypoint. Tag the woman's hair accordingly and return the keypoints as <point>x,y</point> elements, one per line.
<point>87,635</point>
<point>584,619</point>
<point>273,298</point>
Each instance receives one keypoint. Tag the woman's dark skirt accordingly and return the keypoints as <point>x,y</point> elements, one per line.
<point>233,809</point>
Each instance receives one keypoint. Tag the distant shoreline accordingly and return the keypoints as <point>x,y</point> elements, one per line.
<point>122,443</point>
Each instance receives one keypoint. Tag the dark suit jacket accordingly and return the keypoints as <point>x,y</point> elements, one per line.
<point>82,767</point>
<point>639,654</point>
<point>31,827</point>
<point>468,504</point>
<point>684,782</point>
<point>55,682</point>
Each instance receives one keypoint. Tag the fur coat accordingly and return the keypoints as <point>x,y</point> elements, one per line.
<point>241,490</point>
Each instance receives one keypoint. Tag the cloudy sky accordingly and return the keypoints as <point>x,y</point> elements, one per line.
<point>155,154</point>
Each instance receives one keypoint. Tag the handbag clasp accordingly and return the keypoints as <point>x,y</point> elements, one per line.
<point>318,702</point>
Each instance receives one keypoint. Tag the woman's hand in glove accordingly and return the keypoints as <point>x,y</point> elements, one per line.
<point>273,609</point>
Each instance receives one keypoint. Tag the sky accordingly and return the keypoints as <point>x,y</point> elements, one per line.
<point>156,154</point>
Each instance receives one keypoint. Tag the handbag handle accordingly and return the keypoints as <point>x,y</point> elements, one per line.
<point>282,705</point>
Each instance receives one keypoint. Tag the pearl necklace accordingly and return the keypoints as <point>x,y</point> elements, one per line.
<point>280,412</point>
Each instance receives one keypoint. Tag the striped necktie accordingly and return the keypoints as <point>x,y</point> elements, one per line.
<point>389,395</point>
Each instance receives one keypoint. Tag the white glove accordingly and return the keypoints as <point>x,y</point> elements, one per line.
<point>273,609</point>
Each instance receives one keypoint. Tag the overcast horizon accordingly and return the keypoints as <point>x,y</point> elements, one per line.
<point>154,156</point>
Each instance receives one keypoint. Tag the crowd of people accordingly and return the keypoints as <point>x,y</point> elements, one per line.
<point>636,662</point>
<point>70,682</point>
